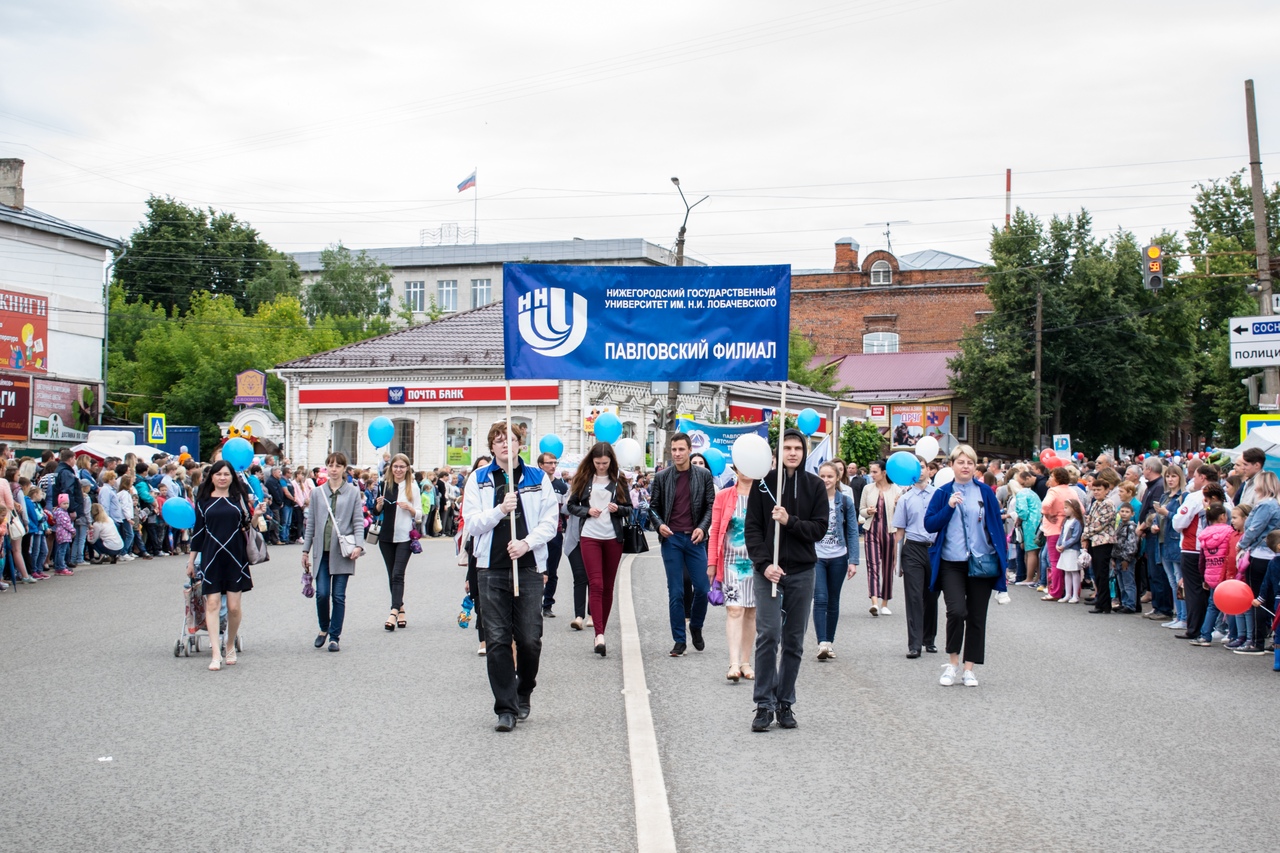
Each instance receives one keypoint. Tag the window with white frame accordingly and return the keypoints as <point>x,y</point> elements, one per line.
<point>881,273</point>
<point>880,342</point>
<point>447,294</point>
<point>481,291</point>
<point>415,295</point>
<point>402,437</point>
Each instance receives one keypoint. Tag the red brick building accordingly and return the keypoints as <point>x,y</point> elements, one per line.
<point>886,303</point>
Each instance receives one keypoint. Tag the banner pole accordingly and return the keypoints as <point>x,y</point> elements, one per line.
<point>511,486</point>
<point>782,428</point>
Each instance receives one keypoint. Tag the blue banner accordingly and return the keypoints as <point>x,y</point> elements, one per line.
<point>646,324</point>
<point>719,436</point>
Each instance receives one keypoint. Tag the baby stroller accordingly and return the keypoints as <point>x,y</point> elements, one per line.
<point>193,621</point>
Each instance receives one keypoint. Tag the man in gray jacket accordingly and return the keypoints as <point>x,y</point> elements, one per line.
<point>680,505</point>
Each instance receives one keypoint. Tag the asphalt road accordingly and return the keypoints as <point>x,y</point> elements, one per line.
<point>1087,732</point>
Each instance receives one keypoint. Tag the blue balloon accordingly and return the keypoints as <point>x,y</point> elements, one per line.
<point>715,461</point>
<point>178,514</point>
<point>239,453</point>
<point>380,431</point>
<point>808,421</point>
<point>551,444</point>
<point>608,428</point>
<point>903,468</point>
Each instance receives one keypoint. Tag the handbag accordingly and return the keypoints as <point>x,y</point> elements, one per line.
<point>16,528</point>
<point>715,595</point>
<point>633,538</point>
<point>308,588</point>
<point>374,529</point>
<point>415,541</point>
<point>255,546</point>
<point>346,541</point>
<point>986,566</point>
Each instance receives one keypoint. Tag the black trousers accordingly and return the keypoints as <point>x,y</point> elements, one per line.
<point>509,617</point>
<point>1193,591</point>
<point>473,584</point>
<point>922,601</point>
<point>579,583</point>
<point>967,600</point>
<point>1261,619</point>
<point>554,547</point>
<point>396,557</point>
<point>1100,555</point>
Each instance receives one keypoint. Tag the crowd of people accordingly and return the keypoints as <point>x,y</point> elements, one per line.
<point>1153,538</point>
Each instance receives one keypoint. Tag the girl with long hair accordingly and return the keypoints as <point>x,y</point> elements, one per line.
<point>599,495</point>
<point>222,517</point>
<point>400,507</point>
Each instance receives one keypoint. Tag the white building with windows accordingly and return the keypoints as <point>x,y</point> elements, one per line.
<point>460,278</point>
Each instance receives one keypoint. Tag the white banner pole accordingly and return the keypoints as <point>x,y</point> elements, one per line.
<point>511,489</point>
<point>782,428</point>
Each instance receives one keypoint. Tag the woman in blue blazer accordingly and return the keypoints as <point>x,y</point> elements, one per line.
<point>974,530</point>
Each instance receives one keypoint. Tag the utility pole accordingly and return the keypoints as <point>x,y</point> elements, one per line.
<point>1039,329</point>
<point>672,387</point>
<point>1270,375</point>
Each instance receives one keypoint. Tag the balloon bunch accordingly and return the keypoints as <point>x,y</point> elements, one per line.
<point>1051,459</point>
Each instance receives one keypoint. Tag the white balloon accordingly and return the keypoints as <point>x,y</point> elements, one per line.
<point>752,456</point>
<point>946,475</point>
<point>927,448</point>
<point>629,452</point>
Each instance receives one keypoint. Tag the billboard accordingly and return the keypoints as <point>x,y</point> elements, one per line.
<point>62,411</point>
<point>909,423</point>
<point>24,333</point>
<point>15,407</point>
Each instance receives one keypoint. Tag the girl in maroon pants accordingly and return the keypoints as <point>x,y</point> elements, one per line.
<point>600,497</point>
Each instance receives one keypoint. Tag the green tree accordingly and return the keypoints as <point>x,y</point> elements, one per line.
<point>180,251</point>
<point>353,285</point>
<point>800,355</point>
<point>861,443</point>
<point>1117,362</point>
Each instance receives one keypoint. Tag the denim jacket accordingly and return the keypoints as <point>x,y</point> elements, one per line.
<point>846,529</point>
<point>1264,518</point>
<point>1171,547</point>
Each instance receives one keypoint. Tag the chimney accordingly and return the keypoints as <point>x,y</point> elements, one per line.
<point>846,255</point>
<point>11,183</point>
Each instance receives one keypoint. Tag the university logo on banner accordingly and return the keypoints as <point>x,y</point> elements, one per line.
<point>646,324</point>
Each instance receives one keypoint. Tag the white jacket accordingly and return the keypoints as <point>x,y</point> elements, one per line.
<point>538,501</point>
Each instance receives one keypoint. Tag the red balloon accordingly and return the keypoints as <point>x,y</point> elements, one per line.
<point>1233,597</point>
<point>1054,462</point>
<point>1047,454</point>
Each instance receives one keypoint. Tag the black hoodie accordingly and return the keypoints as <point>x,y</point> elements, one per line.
<point>804,497</point>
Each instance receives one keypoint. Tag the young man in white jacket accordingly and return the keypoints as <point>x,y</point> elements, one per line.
<point>487,506</point>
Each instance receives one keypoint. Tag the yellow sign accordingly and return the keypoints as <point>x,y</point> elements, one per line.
<point>1248,423</point>
<point>156,433</point>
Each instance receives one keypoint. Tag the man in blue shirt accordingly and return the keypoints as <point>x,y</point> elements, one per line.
<point>922,601</point>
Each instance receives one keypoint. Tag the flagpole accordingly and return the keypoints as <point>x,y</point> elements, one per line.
<point>777,526</point>
<point>511,487</point>
<point>475,234</point>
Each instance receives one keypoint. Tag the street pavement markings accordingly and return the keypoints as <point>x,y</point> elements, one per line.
<point>654,832</point>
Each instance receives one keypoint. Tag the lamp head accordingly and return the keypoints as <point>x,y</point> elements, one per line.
<point>675,181</point>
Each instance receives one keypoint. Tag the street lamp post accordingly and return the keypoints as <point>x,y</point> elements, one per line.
<point>687,207</point>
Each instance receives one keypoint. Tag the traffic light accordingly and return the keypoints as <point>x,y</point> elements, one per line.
<point>1153,268</point>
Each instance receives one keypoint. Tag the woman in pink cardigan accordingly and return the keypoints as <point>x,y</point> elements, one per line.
<point>727,562</point>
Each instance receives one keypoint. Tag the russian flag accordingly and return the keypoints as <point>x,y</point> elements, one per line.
<point>468,183</point>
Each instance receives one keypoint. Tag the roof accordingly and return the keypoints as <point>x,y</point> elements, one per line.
<point>469,338</point>
<point>32,218</point>
<point>892,375</point>
<point>548,251</point>
<point>796,393</point>
<point>932,259</point>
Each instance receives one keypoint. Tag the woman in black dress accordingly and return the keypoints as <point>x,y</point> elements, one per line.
<point>222,517</point>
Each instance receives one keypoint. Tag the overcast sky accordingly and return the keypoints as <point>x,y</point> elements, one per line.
<point>803,122</point>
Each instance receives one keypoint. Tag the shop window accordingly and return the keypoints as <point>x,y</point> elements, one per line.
<point>457,441</point>
<point>343,435</point>
<point>629,429</point>
<point>962,427</point>
<point>881,273</point>
<point>525,447</point>
<point>402,438</point>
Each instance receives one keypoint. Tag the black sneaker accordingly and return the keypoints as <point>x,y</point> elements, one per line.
<point>786,718</point>
<point>522,708</point>
<point>677,650</point>
<point>506,723</point>
<point>547,614</point>
<point>333,646</point>
<point>698,642</point>
<point>764,717</point>
<point>1250,649</point>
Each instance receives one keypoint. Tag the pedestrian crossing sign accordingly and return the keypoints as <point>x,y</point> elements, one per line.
<point>155,428</point>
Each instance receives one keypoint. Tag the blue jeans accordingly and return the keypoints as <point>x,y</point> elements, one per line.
<point>1161,593</point>
<point>37,551</point>
<point>82,536</point>
<point>1241,627</point>
<point>1173,571</point>
<point>828,579</point>
<point>1210,619</point>
<point>60,551</point>
<point>681,555</point>
<point>1125,583</point>
<point>125,529</point>
<point>330,621</point>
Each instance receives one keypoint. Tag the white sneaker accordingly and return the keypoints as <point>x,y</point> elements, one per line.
<point>1218,635</point>
<point>948,675</point>
<point>822,651</point>
<point>1002,598</point>
<point>589,623</point>
<point>970,680</point>
<point>1073,600</point>
<point>1177,624</point>
<point>884,611</point>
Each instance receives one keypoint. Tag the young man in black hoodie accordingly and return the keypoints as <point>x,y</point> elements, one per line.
<point>802,515</point>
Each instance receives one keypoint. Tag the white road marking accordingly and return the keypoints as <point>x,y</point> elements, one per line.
<point>654,833</point>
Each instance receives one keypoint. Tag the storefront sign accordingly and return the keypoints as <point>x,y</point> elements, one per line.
<point>645,324</point>
<point>251,388</point>
<point>62,411</point>
<point>424,396</point>
<point>589,422</point>
<point>15,408</point>
<point>24,332</point>
<point>739,412</point>
<point>909,423</point>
